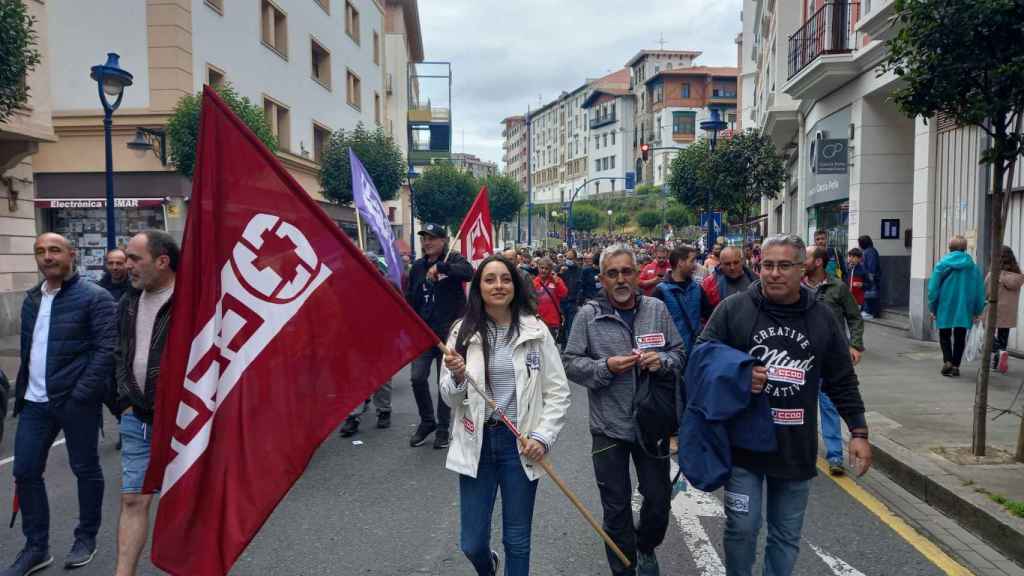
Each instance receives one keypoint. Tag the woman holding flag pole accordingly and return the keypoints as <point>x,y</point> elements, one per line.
<point>501,344</point>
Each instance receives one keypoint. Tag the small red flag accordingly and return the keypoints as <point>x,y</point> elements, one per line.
<point>280,328</point>
<point>475,237</point>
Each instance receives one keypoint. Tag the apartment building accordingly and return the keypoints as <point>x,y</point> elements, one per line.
<point>472,164</point>
<point>856,165</point>
<point>514,149</point>
<point>20,137</point>
<point>610,114</point>
<point>313,65</point>
<point>558,133</point>
<point>678,101</point>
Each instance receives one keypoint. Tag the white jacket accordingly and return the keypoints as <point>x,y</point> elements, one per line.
<point>542,396</point>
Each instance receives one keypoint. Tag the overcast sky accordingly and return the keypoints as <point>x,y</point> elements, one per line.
<point>506,53</point>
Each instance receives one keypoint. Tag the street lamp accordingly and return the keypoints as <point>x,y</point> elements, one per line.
<point>111,80</point>
<point>411,175</point>
<point>712,127</point>
<point>609,222</point>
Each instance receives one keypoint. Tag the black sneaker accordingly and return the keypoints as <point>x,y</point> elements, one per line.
<point>956,372</point>
<point>441,440</point>
<point>350,427</point>
<point>29,561</point>
<point>947,369</point>
<point>82,552</point>
<point>420,436</point>
<point>384,419</point>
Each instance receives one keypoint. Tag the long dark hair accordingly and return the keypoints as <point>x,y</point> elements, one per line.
<point>1009,260</point>
<point>476,321</point>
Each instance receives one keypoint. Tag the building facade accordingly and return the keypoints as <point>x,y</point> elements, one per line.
<point>514,149</point>
<point>469,163</point>
<point>314,67</point>
<point>610,114</point>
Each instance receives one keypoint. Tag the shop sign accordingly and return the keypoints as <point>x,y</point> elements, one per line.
<point>831,156</point>
<point>99,203</point>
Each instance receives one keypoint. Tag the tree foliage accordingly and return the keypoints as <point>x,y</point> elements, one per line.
<point>379,154</point>
<point>691,176</point>
<point>505,197</point>
<point>649,220</point>
<point>585,218</point>
<point>679,217</point>
<point>443,195</point>
<point>645,189</point>
<point>183,126</point>
<point>622,219</point>
<point>18,55</point>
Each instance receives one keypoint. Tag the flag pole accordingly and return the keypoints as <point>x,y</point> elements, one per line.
<point>359,229</point>
<point>547,468</point>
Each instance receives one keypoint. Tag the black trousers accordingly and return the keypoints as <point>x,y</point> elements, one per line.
<point>611,468</point>
<point>1002,339</point>
<point>421,389</point>
<point>953,341</point>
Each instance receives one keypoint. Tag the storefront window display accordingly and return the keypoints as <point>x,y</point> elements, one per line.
<point>834,218</point>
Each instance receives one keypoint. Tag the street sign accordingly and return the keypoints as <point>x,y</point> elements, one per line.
<point>630,180</point>
<point>713,222</point>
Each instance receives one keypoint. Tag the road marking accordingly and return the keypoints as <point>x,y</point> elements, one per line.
<point>689,506</point>
<point>10,459</point>
<point>926,547</point>
<point>838,567</point>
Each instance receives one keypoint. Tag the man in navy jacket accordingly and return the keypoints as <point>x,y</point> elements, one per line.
<point>67,349</point>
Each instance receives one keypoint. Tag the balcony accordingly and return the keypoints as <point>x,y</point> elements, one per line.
<point>829,31</point>
<point>602,121</point>
<point>876,22</point>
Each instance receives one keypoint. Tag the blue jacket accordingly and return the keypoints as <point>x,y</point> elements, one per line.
<point>721,414</point>
<point>80,349</point>
<point>683,304</point>
<point>956,293</point>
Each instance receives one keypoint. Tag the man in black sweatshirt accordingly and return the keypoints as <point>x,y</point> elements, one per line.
<point>800,343</point>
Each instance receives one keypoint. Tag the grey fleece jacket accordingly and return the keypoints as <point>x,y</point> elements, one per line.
<point>598,333</point>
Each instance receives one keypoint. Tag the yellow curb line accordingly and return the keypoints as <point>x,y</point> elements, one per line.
<point>926,547</point>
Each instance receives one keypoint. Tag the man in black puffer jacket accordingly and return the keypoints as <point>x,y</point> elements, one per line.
<point>436,294</point>
<point>67,352</point>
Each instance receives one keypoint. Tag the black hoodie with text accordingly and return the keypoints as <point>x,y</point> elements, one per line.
<point>802,345</point>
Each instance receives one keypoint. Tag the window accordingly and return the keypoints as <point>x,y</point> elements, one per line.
<point>376,108</point>
<point>321,136</point>
<point>611,162</point>
<point>321,64</point>
<point>376,48</point>
<point>352,21</point>
<point>686,90</point>
<point>278,117</point>
<point>597,165</point>
<point>659,93</point>
<point>274,28</point>
<point>355,87</point>
<point>684,123</point>
<point>613,138</point>
<point>325,4</point>
<point>605,142</point>
<point>597,142</point>
<point>217,5</point>
<point>731,119</point>
<point>214,76</point>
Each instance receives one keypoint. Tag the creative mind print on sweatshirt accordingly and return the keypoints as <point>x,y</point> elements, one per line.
<point>786,353</point>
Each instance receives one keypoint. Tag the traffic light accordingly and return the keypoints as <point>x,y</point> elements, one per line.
<point>645,151</point>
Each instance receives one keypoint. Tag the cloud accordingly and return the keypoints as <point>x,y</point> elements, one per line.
<point>510,54</point>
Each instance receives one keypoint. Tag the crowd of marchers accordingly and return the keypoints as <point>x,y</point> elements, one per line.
<point>722,360</point>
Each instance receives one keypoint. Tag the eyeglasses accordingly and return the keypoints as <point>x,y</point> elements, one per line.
<point>784,266</point>
<point>613,274</point>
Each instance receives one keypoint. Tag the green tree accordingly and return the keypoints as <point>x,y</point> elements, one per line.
<point>379,154</point>
<point>505,197</point>
<point>18,55</point>
<point>649,220</point>
<point>621,220</point>
<point>183,126</point>
<point>679,217</point>
<point>692,174</point>
<point>443,194</point>
<point>752,171</point>
<point>646,189</point>
<point>585,217</point>
<point>964,59</point>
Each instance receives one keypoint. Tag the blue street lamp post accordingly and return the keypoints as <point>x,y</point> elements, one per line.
<point>111,80</point>
<point>712,127</point>
<point>411,175</point>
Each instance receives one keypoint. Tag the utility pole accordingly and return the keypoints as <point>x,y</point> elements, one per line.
<point>529,179</point>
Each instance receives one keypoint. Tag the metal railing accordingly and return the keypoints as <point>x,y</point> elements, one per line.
<point>602,120</point>
<point>827,31</point>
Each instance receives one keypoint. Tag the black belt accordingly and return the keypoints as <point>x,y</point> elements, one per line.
<point>494,423</point>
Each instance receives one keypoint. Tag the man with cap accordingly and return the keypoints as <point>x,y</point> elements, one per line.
<point>436,293</point>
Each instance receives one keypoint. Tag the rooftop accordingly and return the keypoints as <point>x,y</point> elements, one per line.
<point>640,55</point>
<point>713,71</point>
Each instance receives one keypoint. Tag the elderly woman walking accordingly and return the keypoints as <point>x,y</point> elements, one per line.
<point>501,346</point>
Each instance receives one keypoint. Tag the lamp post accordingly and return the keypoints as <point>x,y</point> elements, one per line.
<point>712,127</point>
<point>111,80</point>
<point>411,175</point>
<point>609,222</point>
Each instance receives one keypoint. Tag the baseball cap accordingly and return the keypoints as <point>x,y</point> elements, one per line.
<point>435,230</point>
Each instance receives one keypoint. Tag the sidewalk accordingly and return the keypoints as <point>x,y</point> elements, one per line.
<point>921,426</point>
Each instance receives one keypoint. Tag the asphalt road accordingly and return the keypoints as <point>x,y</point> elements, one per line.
<point>382,508</point>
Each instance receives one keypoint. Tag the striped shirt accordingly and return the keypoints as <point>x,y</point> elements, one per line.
<point>501,373</point>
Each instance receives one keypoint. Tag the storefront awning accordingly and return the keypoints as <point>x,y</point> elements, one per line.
<point>98,202</point>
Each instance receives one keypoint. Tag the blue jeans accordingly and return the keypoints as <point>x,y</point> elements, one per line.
<point>499,467</point>
<point>38,426</point>
<point>830,429</point>
<point>786,503</point>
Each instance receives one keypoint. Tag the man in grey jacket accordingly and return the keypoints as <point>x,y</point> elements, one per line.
<point>613,339</point>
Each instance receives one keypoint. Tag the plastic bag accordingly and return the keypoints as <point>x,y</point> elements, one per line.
<point>975,342</point>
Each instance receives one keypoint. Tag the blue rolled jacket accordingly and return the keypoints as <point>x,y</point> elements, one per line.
<point>721,414</point>
<point>80,349</point>
<point>683,302</point>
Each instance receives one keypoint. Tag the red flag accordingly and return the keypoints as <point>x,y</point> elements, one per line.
<point>280,328</point>
<point>475,238</point>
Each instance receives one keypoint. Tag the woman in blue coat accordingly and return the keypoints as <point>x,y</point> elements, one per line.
<point>956,296</point>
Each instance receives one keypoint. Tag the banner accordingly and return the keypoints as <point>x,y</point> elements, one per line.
<point>371,210</point>
<point>475,234</point>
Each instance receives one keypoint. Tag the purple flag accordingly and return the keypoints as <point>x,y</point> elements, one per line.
<point>367,200</point>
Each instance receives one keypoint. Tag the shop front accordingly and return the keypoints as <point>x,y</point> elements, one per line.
<point>828,179</point>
